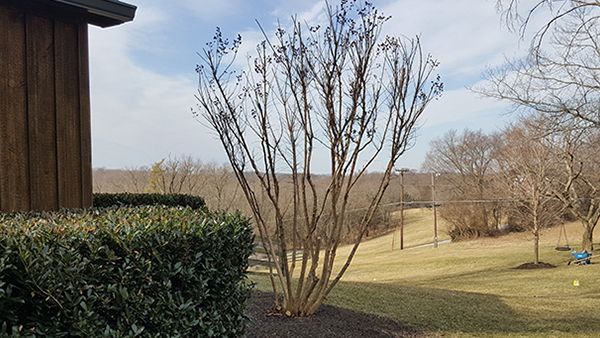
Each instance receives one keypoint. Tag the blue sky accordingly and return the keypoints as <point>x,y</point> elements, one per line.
<point>143,79</point>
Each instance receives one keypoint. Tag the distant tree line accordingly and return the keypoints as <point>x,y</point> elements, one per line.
<point>528,176</point>
<point>176,174</point>
<point>217,184</point>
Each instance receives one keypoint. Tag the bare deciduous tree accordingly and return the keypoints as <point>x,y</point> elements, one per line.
<point>182,175</point>
<point>222,190</point>
<point>559,11</point>
<point>528,165</point>
<point>129,180</point>
<point>333,93</point>
<point>562,81</point>
<point>578,183</point>
<point>136,180</point>
<point>467,160</point>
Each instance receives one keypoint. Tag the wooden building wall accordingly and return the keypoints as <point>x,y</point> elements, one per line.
<point>45,133</point>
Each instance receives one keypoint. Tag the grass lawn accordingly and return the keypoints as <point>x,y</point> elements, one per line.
<point>471,289</point>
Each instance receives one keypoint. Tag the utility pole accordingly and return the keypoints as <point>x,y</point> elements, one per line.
<point>401,171</point>
<point>435,242</point>
<point>401,209</point>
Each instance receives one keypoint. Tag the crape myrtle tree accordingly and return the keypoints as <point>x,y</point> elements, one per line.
<point>335,93</point>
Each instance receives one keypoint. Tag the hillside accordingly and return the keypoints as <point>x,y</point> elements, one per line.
<point>471,288</point>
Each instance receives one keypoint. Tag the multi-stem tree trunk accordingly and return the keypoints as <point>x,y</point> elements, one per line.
<point>334,93</point>
<point>587,243</point>
<point>588,223</point>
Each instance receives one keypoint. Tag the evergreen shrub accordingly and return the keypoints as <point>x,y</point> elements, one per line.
<point>125,199</point>
<point>124,272</point>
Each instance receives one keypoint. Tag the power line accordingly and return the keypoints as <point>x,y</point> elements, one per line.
<point>478,201</point>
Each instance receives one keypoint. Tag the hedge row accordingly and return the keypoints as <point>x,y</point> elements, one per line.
<point>126,199</point>
<point>124,272</point>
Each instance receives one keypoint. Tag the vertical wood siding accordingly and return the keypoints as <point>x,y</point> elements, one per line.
<point>68,138</point>
<point>14,150</point>
<point>45,141</point>
<point>85,118</point>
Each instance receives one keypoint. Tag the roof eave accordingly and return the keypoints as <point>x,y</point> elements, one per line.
<point>104,13</point>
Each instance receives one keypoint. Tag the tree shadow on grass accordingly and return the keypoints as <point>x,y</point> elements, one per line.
<point>452,311</point>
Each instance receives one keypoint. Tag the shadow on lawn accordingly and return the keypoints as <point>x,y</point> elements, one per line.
<point>451,311</point>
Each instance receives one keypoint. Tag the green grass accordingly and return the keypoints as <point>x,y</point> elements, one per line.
<point>418,228</point>
<point>471,289</point>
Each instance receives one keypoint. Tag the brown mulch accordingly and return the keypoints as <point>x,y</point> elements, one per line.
<point>540,265</point>
<point>328,322</point>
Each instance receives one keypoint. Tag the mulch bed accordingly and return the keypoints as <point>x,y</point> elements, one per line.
<point>540,265</point>
<point>328,322</point>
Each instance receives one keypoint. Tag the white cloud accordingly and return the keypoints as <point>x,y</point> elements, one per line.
<point>212,11</point>
<point>137,111</point>
<point>316,14</point>
<point>463,35</point>
<point>460,105</point>
<point>141,113</point>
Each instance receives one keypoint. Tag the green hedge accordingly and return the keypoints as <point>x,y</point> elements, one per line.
<point>172,200</point>
<point>124,272</point>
